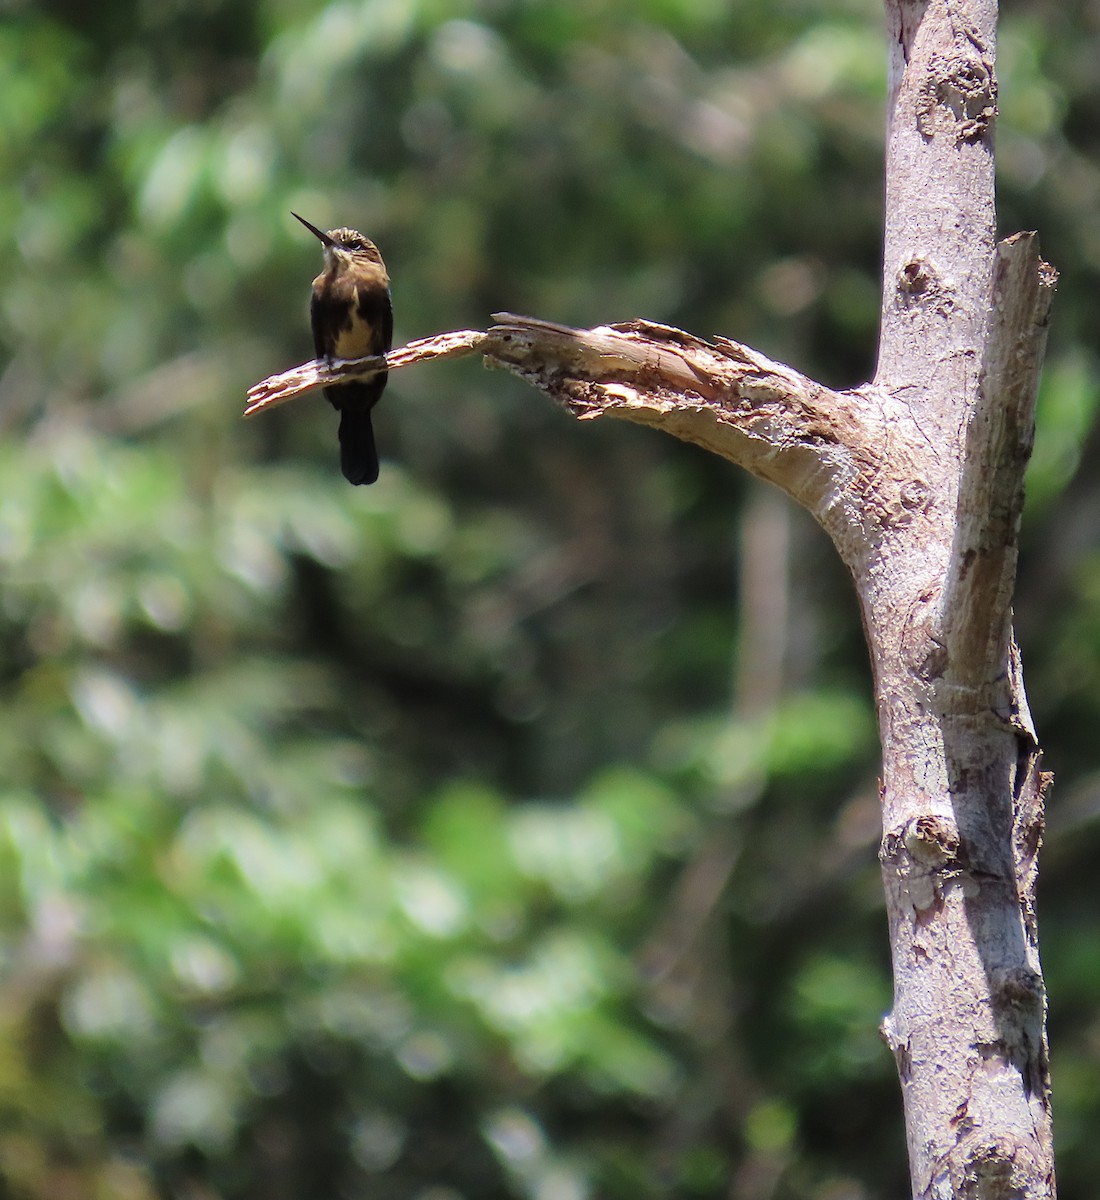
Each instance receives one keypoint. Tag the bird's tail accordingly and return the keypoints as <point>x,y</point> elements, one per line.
<point>358,456</point>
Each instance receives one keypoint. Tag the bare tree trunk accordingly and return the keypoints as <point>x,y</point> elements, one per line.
<point>963,325</point>
<point>918,479</point>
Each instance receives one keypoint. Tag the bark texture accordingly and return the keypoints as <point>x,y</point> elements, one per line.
<point>918,478</point>
<point>963,329</point>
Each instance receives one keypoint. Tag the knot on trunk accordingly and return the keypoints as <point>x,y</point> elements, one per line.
<point>959,95</point>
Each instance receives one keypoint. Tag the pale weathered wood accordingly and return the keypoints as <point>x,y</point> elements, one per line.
<point>918,478</point>
<point>308,376</point>
<point>963,330</point>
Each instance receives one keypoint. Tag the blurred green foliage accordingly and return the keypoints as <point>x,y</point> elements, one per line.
<point>434,840</point>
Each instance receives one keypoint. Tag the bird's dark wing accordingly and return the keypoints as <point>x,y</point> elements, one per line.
<point>376,311</point>
<point>326,317</point>
<point>387,323</point>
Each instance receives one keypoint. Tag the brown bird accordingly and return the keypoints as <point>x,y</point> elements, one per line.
<point>352,317</point>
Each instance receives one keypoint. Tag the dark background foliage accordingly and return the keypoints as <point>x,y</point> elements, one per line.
<point>508,828</point>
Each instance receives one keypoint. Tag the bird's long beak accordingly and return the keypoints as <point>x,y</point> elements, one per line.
<point>325,239</point>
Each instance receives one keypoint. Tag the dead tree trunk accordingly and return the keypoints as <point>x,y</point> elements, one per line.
<point>918,479</point>
<point>963,327</point>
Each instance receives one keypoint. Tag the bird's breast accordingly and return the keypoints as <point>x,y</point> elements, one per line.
<point>351,312</point>
<point>357,337</point>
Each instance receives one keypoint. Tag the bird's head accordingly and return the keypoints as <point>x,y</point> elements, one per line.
<point>343,245</point>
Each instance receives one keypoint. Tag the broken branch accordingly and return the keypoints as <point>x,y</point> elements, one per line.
<point>822,447</point>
